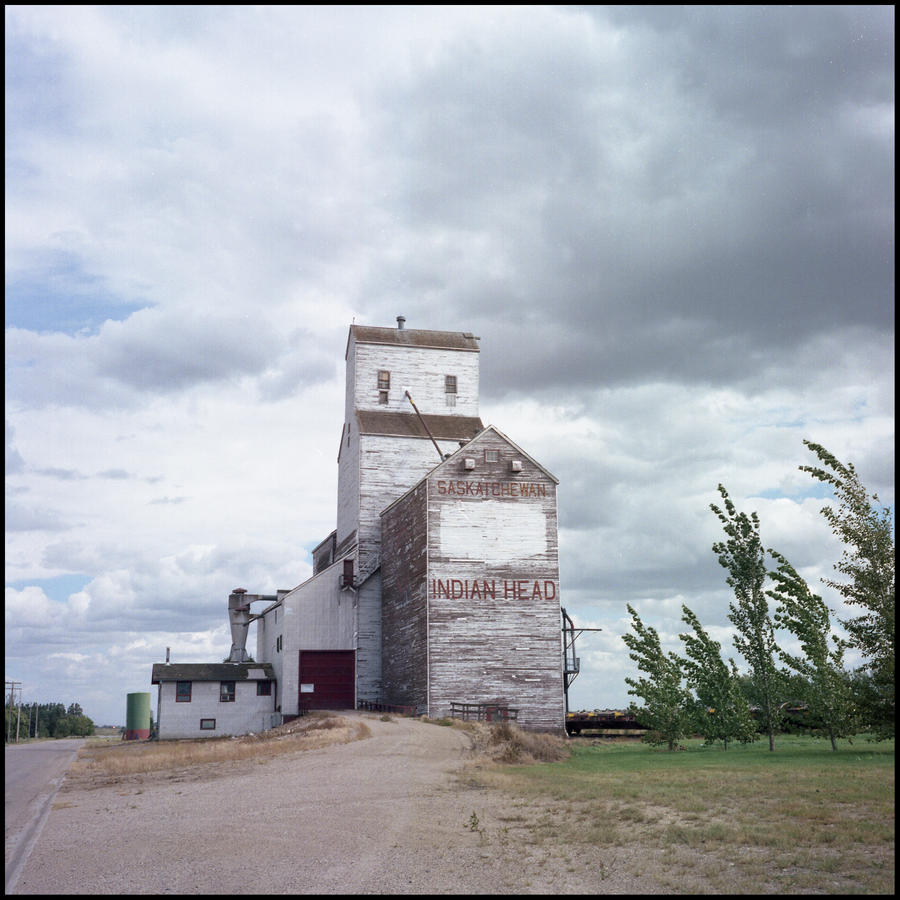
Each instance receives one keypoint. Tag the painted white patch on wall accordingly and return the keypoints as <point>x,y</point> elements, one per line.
<point>492,530</point>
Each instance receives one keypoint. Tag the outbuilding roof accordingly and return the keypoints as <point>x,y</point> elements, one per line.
<point>414,337</point>
<point>398,424</point>
<point>208,671</point>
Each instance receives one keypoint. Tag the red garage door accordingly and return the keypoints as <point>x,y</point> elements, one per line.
<point>327,679</point>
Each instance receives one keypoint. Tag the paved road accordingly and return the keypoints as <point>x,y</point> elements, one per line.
<point>34,772</point>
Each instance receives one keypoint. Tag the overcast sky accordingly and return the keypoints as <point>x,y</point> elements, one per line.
<point>672,228</point>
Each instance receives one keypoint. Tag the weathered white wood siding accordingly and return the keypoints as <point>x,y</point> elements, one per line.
<point>389,466</point>
<point>485,541</point>
<point>376,469</point>
<point>404,610</point>
<point>421,371</point>
<point>493,585</point>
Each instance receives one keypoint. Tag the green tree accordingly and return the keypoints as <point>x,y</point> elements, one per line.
<point>55,712</point>
<point>80,726</point>
<point>720,710</point>
<point>804,614</point>
<point>866,529</point>
<point>665,713</point>
<point>867,697</point>
<point>743,556</point>
<point>62,727</point>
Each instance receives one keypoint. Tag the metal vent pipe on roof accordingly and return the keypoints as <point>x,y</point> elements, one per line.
<point>239,616</point>
<point>401,323</point>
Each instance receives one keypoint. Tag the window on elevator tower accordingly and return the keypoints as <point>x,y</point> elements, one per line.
<point>450,389</point>
<point>384,385</point>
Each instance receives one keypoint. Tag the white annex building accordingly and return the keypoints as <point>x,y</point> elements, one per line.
<point>439,585</point>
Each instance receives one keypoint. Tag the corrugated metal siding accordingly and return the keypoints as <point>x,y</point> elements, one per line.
<point>267,632</point>
<point>318,615</point>
<point>348,489</point>
<point>368,641</point>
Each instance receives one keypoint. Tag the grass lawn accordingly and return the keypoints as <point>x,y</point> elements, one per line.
<point>803,819</point>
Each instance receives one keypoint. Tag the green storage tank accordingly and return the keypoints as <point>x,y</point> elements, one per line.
<point>137,719</point>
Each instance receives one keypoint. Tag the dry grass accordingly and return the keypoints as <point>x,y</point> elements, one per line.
<point>508,744</point>
<point>100,760</point>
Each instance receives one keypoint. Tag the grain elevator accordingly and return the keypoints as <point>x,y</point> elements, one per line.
<point>440,582</point>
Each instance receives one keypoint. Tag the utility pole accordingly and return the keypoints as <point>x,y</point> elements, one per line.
<point>13,686</point>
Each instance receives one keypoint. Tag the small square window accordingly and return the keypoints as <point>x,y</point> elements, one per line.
<point>207,724</point>
<point>264,688</point>
<point>226,691</point>
<point>492,456</point>
<point>383,398</point>
<point>182,691</point>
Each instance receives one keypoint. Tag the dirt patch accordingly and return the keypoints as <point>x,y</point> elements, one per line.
<point>396,812</point>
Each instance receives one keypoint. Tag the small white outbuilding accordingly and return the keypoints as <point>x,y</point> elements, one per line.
<point>214,699</point>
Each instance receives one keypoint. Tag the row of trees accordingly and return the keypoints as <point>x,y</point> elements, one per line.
<point>54,720</point>
<point>700,692</point>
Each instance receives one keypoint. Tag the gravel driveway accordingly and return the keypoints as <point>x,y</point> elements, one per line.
<point>387,814</point>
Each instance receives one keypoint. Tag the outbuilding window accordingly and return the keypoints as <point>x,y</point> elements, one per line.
<point>207,724</point>
<point>226,691</point>
<point>264,688</point>
<point>182,691</point>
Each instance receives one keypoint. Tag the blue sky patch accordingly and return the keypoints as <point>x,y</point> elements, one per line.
<point>63,298</point>
<point>815,489</point>
<point>59,588</point>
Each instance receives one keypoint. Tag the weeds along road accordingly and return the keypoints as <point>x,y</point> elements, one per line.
<point>33,774</point>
